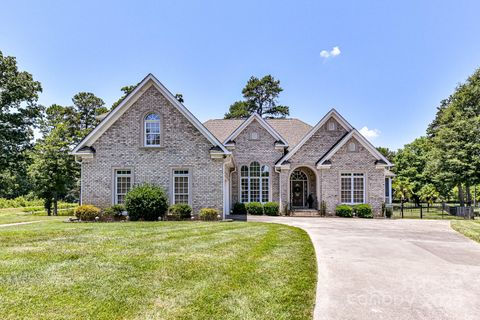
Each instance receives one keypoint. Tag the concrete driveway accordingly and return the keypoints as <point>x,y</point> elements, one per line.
<point>392,269</point>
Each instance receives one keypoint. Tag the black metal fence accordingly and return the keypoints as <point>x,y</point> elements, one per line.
<point>434,211</point>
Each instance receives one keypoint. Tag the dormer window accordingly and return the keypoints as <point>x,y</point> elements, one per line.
<point>152,130</point>
<point>352,146</point>
<point>332,126</point>
<point>254,135</point>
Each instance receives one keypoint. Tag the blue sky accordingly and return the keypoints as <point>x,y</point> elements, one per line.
<point>396,61</point>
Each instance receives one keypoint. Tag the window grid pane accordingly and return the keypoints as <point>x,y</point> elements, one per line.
<point>254,190</point>
<point>152,130</point>
<point>346,189</point>
<point>244,190</point>
<point>358,188</point>
<point>123,182</point>
<point>180,186</point>
<point>265,182</point>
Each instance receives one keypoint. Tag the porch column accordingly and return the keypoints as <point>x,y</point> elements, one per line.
<point>390,190</point>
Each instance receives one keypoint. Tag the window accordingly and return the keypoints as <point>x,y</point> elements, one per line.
<point>352,188</point>
<point>332,126</point>
<point>254,135</point>
<point>254,183</point>
<point>181,186</point>
<point>152,130</point>
<point>352,146</point>
<point>123,183</point>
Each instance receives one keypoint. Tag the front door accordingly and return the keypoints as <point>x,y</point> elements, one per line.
<point>298,193</point>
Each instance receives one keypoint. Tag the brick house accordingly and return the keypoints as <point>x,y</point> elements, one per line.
<point>150,137</point>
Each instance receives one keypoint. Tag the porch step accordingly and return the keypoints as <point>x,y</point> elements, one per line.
<point>304,213</point>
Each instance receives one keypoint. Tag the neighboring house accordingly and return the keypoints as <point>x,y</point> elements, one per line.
<point>150,137</point>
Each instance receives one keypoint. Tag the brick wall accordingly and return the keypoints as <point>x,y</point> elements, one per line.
<point>361,161</point>
<point>261,150</point>
<point>183,147</point>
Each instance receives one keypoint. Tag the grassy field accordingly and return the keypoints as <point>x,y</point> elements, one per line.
<point>469,228</point>
<point>18,215</point>
<point>161,270</point>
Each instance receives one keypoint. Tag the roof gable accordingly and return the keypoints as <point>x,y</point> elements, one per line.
<point>381,160</point>
<point>130,99</point>
<point>262,122</point>
<point>331,114</point>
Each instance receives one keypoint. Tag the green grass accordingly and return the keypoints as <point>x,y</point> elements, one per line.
<point>470,228</point>
<point>161,270</point>
<point>18,215</point>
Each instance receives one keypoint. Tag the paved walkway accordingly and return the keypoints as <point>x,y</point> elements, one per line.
<point>392,269</point>
<point>18,223</point>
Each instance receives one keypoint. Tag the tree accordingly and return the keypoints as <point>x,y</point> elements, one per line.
<point>455,136</point>
<point>403,189</point>
<point>387,153</point>
<point>19,114</point>
<point>179,97</point>
<point>126,91</point>
<point>429,194</point>
<point>53,170</point>
<point>87,106</point>
<point>410,163</point>
<point>260,96</point>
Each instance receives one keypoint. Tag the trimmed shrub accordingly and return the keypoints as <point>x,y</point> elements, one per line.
<point>146,202</point>
<point>87,212</point>
<point>239,208</point>
<point>115,211</point>
<point>179,212</point>
<point>343,210</point>
<point>271,208</point>
<point>208,214</point>
<point>363,211</point>
<point>255,208</point>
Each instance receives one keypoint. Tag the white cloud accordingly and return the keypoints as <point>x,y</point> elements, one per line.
<point>369,133</point>
<point>332,53</point>
<point>335,51</point>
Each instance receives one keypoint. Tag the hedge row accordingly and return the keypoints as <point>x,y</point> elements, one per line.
<point>360,210</point>
<point>256,208</point>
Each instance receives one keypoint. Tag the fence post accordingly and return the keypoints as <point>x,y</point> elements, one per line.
<point>421,211</point>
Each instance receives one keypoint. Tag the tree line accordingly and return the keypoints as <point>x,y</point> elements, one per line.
<point>443,165</point>
<point>43,168</point>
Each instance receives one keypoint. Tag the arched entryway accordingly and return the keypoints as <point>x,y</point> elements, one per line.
<point>303,188</point>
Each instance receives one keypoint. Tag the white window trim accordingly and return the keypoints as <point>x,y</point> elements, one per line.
<point>352,187</point>
<point>159,121</point>
<point>248,178</point>
<point>189,176</point>
<point>114,185</point>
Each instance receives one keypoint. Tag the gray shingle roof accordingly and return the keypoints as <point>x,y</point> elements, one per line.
<point>292,130</point>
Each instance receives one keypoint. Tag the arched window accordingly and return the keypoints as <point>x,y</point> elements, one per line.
<point>254,183</point>
<point>152,130</point>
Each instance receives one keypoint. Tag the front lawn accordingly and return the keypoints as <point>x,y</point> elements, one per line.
<point>470,228</point>
<point>161,270</point>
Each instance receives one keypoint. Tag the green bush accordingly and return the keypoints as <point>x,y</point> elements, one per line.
<point>115,211</point>
<point>87,212</point>
<point>19,202</point>
<point>363,211</point>
<point>271,208</point>
<point>343,210</point>
<point>208,214</point>
<point>255,208</point>
<point>239,208</point>
<point>146,202</point>
<point>179,211</point>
